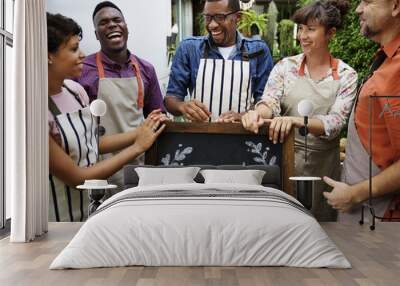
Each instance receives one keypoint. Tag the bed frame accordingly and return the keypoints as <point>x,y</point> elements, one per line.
<point>217,144</point>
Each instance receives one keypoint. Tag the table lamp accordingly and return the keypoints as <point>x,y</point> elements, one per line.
<point>98,108</point>
<point>305,108</point>
<point>305,185</point>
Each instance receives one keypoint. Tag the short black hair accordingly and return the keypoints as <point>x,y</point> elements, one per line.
<point>328,13</point>
<point>59,30</point>
<point>234,5</point>
<point>102,5</point>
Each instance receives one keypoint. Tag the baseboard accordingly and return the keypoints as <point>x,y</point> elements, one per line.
<point>4,232</point>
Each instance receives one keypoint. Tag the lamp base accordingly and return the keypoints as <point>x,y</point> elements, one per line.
<point>305,190</point>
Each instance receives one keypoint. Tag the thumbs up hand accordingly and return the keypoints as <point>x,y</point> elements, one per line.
<point>341,197</point>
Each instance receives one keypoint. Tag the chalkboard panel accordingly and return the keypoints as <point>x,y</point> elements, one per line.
<point>221,144</point>
<point>216,149</point>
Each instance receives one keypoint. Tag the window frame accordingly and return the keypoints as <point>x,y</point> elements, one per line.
<point>6,39</point>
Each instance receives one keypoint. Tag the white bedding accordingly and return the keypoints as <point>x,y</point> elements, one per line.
<point>184,230</point>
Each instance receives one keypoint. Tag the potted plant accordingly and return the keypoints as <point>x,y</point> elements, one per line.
<point>250,19</point>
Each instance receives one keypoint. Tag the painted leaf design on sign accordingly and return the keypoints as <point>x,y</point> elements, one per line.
<point>187,150</point>
<point>259,160</point>
<point>273,160</point>
<point>259,146</point>
<point>165,160</point>
<point>260,157</point>
<point>180,155</point>
<point>177,153</point>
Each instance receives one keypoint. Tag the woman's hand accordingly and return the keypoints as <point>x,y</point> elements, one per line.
<point>148,132</point>
<point>252,121</point>
<point>229,117</point>
<point>279,127</point>
<point>158,115</point>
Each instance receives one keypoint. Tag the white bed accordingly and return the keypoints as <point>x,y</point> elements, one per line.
<point>201,225</point>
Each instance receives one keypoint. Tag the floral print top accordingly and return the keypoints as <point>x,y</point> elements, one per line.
<point>284,75</point>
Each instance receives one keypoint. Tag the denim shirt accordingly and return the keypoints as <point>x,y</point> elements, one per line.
<point>187,61</point>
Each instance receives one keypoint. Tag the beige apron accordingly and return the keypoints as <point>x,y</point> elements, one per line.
<point>355,170</point>
<point>322,155</point>
<point>124,99</point>
<point>77,132</point>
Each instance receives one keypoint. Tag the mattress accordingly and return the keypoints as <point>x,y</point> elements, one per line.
<point>201,225</point>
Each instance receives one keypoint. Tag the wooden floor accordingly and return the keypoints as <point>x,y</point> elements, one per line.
<point>375,257</point>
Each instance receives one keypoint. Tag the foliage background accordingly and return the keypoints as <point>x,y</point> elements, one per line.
<point>286,41</point>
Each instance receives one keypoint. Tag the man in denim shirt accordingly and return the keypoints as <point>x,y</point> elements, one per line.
<point>224,72</point>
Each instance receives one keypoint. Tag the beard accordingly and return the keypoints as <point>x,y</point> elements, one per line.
<point>370,33</point>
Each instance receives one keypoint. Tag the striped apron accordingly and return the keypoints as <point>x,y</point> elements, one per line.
<point>223,85</point>
<point>323,96</point>
<point>125,99</point>
<point>77,131</point>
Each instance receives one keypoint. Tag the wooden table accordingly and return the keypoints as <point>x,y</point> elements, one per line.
<point>375,257</point>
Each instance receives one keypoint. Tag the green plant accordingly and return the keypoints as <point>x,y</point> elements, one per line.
<point>249,19</point>
<point>286,38</point>
<point>301,3</point>
<point>272,26</point>
<point>351,47</point>
<point>200,23</point>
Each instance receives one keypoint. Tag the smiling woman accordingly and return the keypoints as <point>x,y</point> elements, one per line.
<point>72,145</point>
<point>329,83</point>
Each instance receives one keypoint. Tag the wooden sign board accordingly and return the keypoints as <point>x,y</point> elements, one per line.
<point>221,144</point>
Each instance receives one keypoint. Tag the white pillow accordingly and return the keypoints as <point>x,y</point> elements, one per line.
<point>164,176</point>
<point>248,177</point>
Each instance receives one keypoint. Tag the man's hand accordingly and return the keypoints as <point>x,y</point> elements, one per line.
<point>229,117</point>
<point>252,121</point>
<point>341,197</point>
<point>194,110</point>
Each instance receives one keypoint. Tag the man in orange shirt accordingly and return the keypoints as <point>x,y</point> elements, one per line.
<point>380,22</point>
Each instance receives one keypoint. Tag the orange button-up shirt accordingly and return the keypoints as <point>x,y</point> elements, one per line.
<point>385,81</point>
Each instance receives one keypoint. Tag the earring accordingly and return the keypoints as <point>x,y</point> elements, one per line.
<point>50,62</point>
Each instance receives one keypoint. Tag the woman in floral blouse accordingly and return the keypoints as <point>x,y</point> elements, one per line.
<point>328,83</point>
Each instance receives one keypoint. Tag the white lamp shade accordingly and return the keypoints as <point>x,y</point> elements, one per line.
<point>305,108</point>
<point>174,29</point>
<point>98,107</point>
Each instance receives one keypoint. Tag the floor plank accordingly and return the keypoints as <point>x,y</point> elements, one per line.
<point>375,257</point>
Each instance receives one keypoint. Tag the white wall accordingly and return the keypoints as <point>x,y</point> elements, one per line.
<point>149,23</point>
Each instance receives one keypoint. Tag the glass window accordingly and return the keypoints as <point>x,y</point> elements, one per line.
<point>9,9</point>
<point>1,14</point>
<point>6,66</point>
<point>7,89</point>
<point>2,194</point>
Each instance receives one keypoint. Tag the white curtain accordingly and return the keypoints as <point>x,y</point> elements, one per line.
<point>26,124</point>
